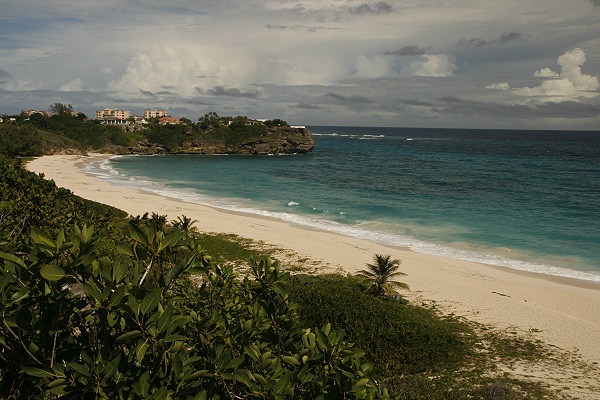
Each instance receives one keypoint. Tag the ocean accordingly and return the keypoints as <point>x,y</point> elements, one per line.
<point>527,200</point>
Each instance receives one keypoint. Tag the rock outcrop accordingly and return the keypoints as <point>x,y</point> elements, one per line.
<point>278,140</point>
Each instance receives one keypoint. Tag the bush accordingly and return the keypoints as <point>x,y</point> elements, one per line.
<point>397,337</point>
<point>80,326</point>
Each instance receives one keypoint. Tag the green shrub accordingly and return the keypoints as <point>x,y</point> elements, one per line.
<point>398,338</point>
<point>82,326</point>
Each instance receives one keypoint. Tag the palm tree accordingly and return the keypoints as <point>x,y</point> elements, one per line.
<point>184,223</point>
<point>379,275</point>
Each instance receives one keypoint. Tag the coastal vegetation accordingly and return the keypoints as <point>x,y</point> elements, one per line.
<point>379,276</point>
<point>98,304</point>
<point>67,132</point>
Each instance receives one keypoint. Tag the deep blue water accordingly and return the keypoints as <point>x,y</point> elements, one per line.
<point>524,199</point>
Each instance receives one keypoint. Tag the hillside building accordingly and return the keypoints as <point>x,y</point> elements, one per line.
<point>150,113</point>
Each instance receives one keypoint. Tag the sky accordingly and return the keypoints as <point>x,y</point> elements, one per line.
<point>507,64</point>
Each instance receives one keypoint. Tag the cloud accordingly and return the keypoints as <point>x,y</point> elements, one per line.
<point>23,85</point>
<point>502,39</point>
<point>410,51</point>
<point>76,85</point>
<point>510,37</point>
<point>551,110</point>
<point>234,92</point>
<point>499,86</point>
<point>570,84</point>
<point>174,67</point>
<point>4,74</point>
<point>379,8</point>
<point>307,106</point>
<point>545,73</point>
<point>147,93</point>
<point>373,67</point>
<point>347,99</point>
<point>432,65</point>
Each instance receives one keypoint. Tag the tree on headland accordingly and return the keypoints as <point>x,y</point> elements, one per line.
<point>60,108</point>
<point>380,273</point>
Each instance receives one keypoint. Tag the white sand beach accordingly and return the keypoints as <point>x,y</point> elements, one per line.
<point>564,313</point>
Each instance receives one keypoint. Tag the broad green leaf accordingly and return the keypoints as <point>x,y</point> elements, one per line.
<point>111,367</point>
<point>41,238</point>
<point>282,384</point>
<point>243,375</point>
<point>140,350</point>
<point>128,335</point>
<point>12,258</point>
<point>161,394</point>
<point>175,338</point>
<point>235,362</point>
<point>56,383</point>
<point>137,234</point>
<point>142,386</point>
<point>20,295</point>
<point>92,290</point>
<point>150,301</point>
<point>117,296</point>
<point>86,233</point>
<point>119,271</point>
<point>41,371</point>
<point>5,279</point>
<point>125,249</point>
<point>52,272</point>
<point>60,239</point>
<point>169,240</point>
<point>164,321</point>
<point>290,360</point>
<point>133,304</point>
<point>81,369</point>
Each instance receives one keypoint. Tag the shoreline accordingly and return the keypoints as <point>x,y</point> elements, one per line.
<point>560,311</point>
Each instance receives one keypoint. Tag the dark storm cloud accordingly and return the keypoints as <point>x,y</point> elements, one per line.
<point>347,99</point>
<point>306,106</point>
<point>379,8</point>
<point>596,3</point>
<point>409,51</point>
<point>502,39</point>
<point>233,92</point>
<point>510,37</point>
<point>4,74</point>
<point>147,93</point>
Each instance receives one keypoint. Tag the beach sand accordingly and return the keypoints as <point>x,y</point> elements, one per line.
<point>564,313</point>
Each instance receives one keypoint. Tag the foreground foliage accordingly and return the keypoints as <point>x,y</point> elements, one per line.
<point>79,325</point>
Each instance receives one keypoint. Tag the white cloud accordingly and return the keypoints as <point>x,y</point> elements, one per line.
<point>572,83</point>
<point>163,67</point>
<point>76,85</point>
<point>499,86</point>
<point>432,65</point>
<point>545,73</point>
<point>373,67</point>
<point>23,85</point>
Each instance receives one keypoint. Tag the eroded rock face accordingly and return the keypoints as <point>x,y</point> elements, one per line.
<point>280,140</point>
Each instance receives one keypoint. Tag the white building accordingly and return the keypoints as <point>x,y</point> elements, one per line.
<point>112,114</point>
<point>149,113</point>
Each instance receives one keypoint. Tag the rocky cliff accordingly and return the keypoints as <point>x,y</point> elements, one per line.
<point>276,140</point>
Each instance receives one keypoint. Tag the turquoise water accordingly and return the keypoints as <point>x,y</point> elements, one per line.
<point>528,200</point>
